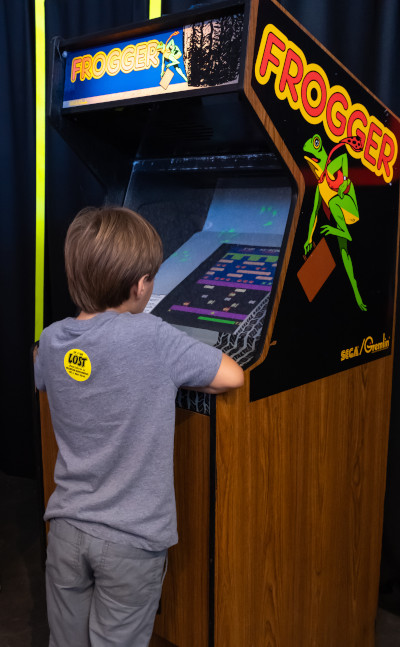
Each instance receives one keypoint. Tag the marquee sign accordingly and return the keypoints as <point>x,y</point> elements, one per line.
<point>201,55</point>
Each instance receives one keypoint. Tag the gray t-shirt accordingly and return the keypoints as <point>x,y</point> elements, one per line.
<point>111,383</point>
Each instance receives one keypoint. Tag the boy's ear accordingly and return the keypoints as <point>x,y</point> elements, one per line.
<point>134,291</point>
<point>138,288</point>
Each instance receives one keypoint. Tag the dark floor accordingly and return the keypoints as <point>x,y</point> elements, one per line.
<point>22,595</point>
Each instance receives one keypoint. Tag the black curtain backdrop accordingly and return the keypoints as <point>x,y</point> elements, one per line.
<point>362,34</point>
<point>17,231</point>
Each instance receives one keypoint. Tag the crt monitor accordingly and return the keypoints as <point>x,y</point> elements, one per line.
<point>222,232</point>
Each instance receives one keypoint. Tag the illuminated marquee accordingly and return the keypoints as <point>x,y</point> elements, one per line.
<point>306,87</point>
<point>180,59</point>
<point>133,58</point>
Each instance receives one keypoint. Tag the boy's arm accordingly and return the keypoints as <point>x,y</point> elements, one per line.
<point>229,376</point>
<point>37,368</point>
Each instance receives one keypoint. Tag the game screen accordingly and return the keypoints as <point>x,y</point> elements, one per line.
<point>223,291</point>
<point>213,281</point>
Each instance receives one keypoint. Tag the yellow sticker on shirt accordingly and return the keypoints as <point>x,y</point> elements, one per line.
<point>77,364</point>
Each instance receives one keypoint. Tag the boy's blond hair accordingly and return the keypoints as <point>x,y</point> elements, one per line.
<point>107,251</point>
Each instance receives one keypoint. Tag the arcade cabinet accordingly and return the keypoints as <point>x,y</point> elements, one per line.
<point>272,176</point>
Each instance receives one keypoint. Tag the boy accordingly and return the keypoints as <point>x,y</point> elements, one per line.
<point>111,377</point>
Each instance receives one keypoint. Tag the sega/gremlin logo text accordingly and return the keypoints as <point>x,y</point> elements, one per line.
<point>368,346</point>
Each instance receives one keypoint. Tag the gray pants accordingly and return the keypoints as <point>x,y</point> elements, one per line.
<point>100,593</point>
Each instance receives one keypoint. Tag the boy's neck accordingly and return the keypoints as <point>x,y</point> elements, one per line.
<point>89,315</point>
<point>138,298</point>
<point>124,307</point>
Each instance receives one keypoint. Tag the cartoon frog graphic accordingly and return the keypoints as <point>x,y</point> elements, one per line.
<point>170,53</point>
<point>336,194</point>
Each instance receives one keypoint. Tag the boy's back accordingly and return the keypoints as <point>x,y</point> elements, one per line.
<point>111,375</point>
<point>111,382</point>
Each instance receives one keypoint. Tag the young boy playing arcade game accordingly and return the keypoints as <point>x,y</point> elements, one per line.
<point>111,376</point>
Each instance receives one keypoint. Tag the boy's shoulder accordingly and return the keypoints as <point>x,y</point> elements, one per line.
<point>119,326</point>
<point>53,327</point>
<point>143,325</point>
<point>142,320</point>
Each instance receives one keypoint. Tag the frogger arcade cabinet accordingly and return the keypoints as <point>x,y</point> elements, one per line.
<point>272,176</point>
